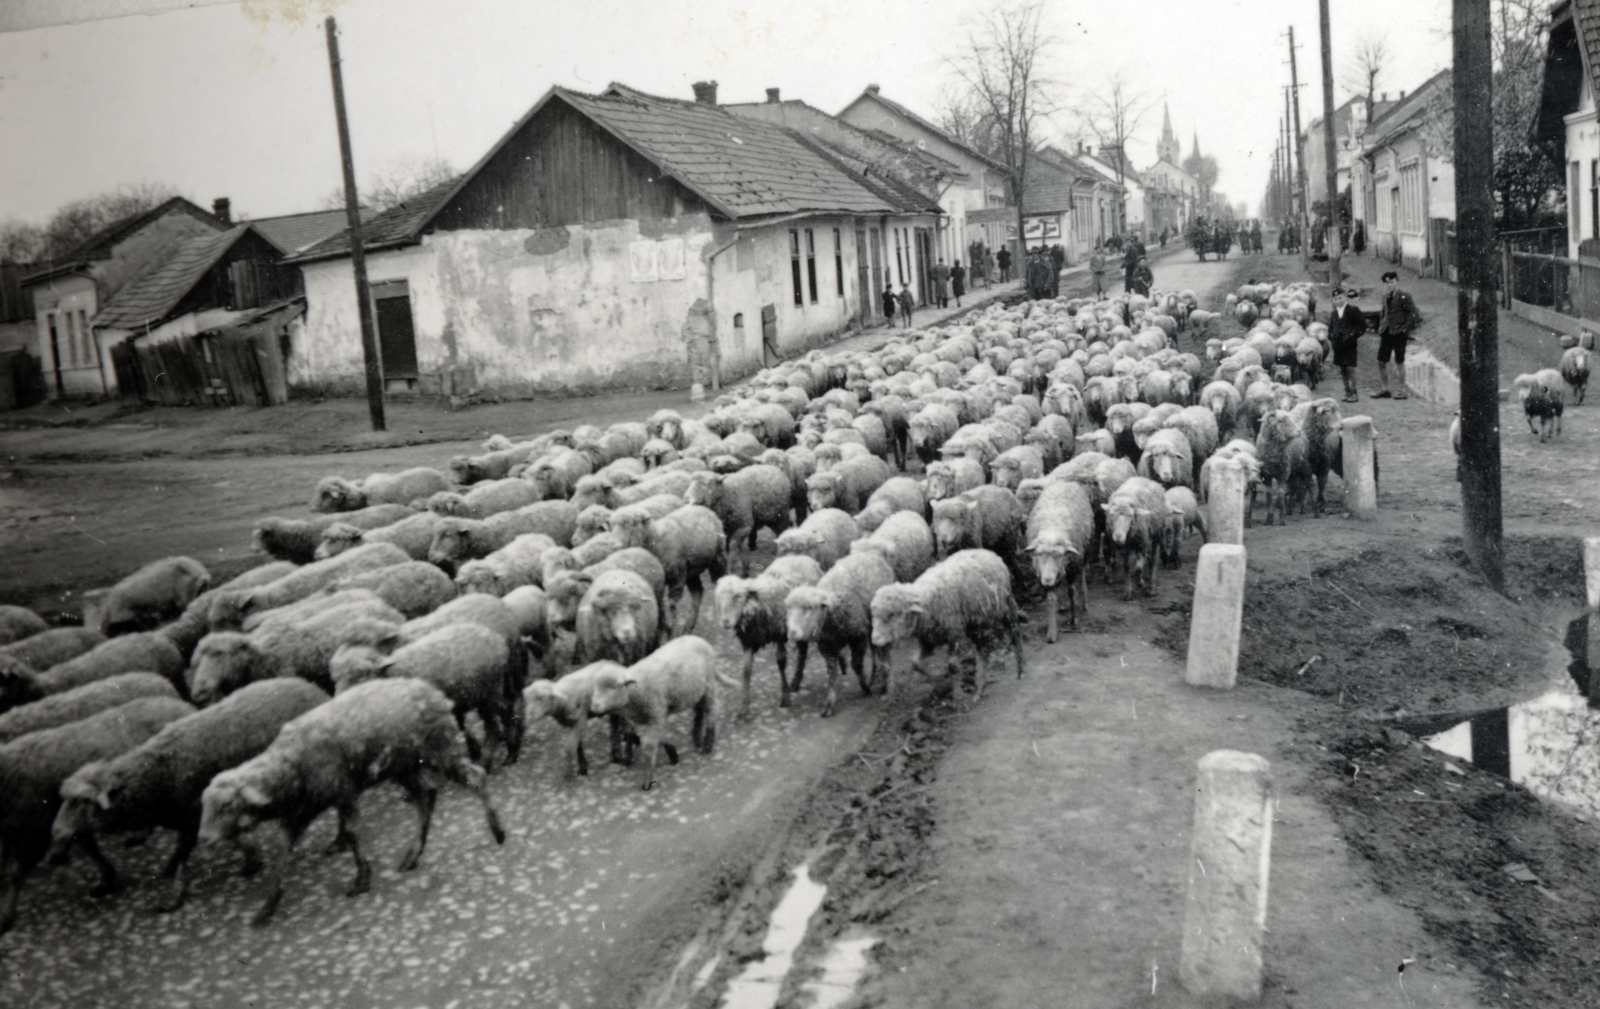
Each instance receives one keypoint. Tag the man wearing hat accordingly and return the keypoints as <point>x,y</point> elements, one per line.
<point>1395,325</point>
<point>1345,327</point>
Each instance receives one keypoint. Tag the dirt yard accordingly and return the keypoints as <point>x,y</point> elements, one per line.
<point>1009,852</point>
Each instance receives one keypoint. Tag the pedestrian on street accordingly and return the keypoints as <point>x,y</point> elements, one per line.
<point>940,275</point>
<point>1143,280</point>
<point>1130,262</point>
<point>1097,266</point>
<point>1345,327</point>
<point>1255,235</point>
<point>958,281</point>
<point>907,303</point>
<point>1038,276</point>
<point>1003,260</point>
<point>1058,259</point>
<point>1395,325</point>
<point>888,303</point>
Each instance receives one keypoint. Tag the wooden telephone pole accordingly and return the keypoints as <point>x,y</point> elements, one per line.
<point>1300,158</point>
<point>358,257</point>
<point>1330,153</point>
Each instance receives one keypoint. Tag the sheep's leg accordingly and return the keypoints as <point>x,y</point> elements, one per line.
<point>782,659</point>
<point>177,867</point>
<point>670,612</point>
<point>801,648</point>
<point>516,727</point>
<point>577,762</point>
<point>835,664</point>
<point>474,779</point>
<point>275,873</point>
<point>858,662</point>
<point>1051,606</point>
<point>882,657</point>
<point>623,741</point>
<point>650,742</point>
<point>421,798</point>
<point>350,818</point>
<point>749,671</point>
<point>705,716</point>
<point>108,883</point>
<point>696,594</point>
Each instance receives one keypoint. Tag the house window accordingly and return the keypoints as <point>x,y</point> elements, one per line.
<point>794,265</point>
<point>899,260</point>
<point>84,334</point>
<point>1575,174</point>
<point>811,263</point>
<point>838,261</point>
<point>1594,199</point>
<point>1411,209</point>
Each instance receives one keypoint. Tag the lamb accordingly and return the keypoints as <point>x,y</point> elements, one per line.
<point>391,729</point>
<point>457,539</point>
<point>569,702</point>
<point>834,614</point>
<point>159,782</point>
<point>157,591</point>
<point>297,539</point>
<point>412,534</point>
<point>556,476</point>
<point>905,541</point>
<point>965,598</point>
<point>224,661</point>
<point>81,702</point>
<point>228,609</point>
<point>689,543</point>
<point>1060,532</point>
<point>195,622</point>
<point>847,486</point>
<point>1015,465</point>
<point>745,502</point>
<point>1183,515</point>
<point>413,588</point>
<point>469,663</point>
<point>33,767</point>
<point>1283,455</point>
<point>1575,370</point>
<point>1167,459</point>
<point>144,652</point>
<point>336,494</point>
<point>1135,517</point>
<point>516,564</point>
<point>754,611</point>
<point>18,622</point>
<point>825,536</point>
<point>50,647</point>
<point>1543,396</point>
<point>681,675</point>
<point>484,499</point>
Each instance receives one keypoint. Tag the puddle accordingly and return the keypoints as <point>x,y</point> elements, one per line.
<point>1550,744</point>
<point>842,968</point>
<point>758,984</point>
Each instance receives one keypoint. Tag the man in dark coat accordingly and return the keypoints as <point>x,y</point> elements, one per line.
<point>940,275</point>
<point>1345,327</point>
<point>1130,261</point>
<point>958,281</point>
<point>1395,325</point>
<point>1142,278</point>
<point>1002,259</point>
<point>1058,259</point>
<point>889,303</point>
<point>1038,276</point>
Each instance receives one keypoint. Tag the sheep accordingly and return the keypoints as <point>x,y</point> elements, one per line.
<point>681,675</point>
<point>1054,437</point>
<point>565,591</point>
<point>1183,515</point>
<point>834,614</point>
<point>568,702</point>
<point>618,618</point>
<point>519,618</point>
<point>1323,425</point>
<point>297,539</point>
<point>891,410</point>
<point>1283,455</point>
<point>930,428</point>
<point>81,702</point>
<point>50,647</point>
<point>325,599</point>
<point>798,463</point>
<point>753,610</point>
<point>1167,459</point>
<point>18,622</point>
<point>224,661</point>
<point>905,541</point>
<point>897,494</point>
<point>1575,370</point>
<point>966,598</point>
<point>847,486</point>
<point>413,588</point>
<point>484,499</point>
<point>825,536</point>
<point>469,663</point>
<point>384,730</point>
<point>769,423</point>
<point>159,782</point>
<point>515,564</point>
<point>144,652</point>
<point>988,518</point>
<point>745,502</point>
<point>494,464</point>
<point>601,490</point>
<point>1543,396</point>
<point>1059,532</point>
<point>458,539</point>
<point>1135,516</point>
<point>1015,465</point>
<point>943,480</point>
<point>336,494</point>
<point>412,534</point>
<point>229,609</point>
<point>1225,402</point>
<point>195,622</point>
<point>157,591</point>
<point>1199,426</point>
<point>33,767</point>
<point>689,543</point>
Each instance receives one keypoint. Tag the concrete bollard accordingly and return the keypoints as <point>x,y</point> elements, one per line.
<point>1360,468</point>
<point>1215,620</point>
<point>1225,503</point>
<point>1591,571</point>
<point>1229,858</point>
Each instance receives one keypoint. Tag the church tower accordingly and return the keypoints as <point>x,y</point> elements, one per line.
<point>1196,153</point>
<point>1167,149</point>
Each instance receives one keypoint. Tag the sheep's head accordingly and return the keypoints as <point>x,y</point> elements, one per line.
<point>798,542</point>
<point>223,662</point>
<point>870,517</point>
<point>631,526</point>
<point>334,494</point>
<point>232,804</point>
<point>1052,555</point>
<point>897,612</point>
<point>1028,491</point>
<point>85,798</point>
<point>657,451</point>
<point>461,469</point>
<point>611,684</point>
<point>807,608</point>
<point>353,664</point>
<point>228,610</point>
<point>724,463</point>
<point>448,504</point>
<point>592,521</point>
<point>627,614</point>
<point>594,489</point>
<point>336,539</point>
<point>951,519</point>
<point>17,684</point>
<point>822,490</point>
<point>476,576</point>
<point>563,593</point>
<point>449,544</point>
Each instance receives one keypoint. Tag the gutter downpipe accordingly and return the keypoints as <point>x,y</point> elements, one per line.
<point>716,322</point>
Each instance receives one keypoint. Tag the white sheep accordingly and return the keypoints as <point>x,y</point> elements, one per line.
<point>157,591</point>
<point>336,494</point>
<point>681,675</point>
<point>1060,533</point>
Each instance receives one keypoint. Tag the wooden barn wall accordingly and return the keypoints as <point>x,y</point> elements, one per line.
<point>562,169</point>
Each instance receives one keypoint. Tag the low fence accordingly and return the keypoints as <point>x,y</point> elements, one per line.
<point>215,370</point>
<point>1553,290</point>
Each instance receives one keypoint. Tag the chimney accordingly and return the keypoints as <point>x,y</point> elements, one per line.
<point>222,208</point>
<point>1402,96</point>
<point>1383,97</point>
<point>772,95</point>
<point>872,89</point>
<point>705,92</point>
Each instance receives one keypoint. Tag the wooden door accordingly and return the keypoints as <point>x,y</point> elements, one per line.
<point>864,278</point>
<point>397,341</point>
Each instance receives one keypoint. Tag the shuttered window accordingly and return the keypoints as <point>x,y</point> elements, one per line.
<point>811,264</point>
<point>794,265</point>
<point>838,261</point>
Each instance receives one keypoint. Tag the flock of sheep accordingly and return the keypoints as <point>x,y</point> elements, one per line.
<point>546,577</point>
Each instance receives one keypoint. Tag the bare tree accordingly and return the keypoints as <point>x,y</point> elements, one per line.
<point>1112,112</point>
<point>74,223</point>
<point>395,183</point>
<point>1001,64</point>
<point>21,242</point>
<point>1368,61</point>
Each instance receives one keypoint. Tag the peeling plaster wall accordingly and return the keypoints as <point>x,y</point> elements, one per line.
<point>71,299</point>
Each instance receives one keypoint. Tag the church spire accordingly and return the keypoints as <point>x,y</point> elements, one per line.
<point>1167,150</point>
<point>1196,143</point>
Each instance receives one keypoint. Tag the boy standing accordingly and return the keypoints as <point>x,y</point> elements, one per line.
<point>1345,327</point>
<point>1395,326</point>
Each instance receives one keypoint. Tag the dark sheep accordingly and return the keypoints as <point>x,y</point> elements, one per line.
<point>293,539</point>
<point>81,702</point>
<point>835,614</point>
<point>755,611</point>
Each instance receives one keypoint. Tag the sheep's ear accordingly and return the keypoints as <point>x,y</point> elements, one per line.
<point>104,798</point>
<point>253,796</point>
<point>917,608</point>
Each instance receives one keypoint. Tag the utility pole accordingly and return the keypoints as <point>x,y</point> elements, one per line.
<point>1330,153</point>
<point>1288,158</point>
<point>358,257</point>
<point>1477,323</point>
<point>1300,159</point>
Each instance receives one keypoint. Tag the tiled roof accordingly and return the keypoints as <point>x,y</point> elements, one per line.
<point>1401,110</point>
<point>1047,188</point>
<point>100,244</point>
<point>1587,15</point>
<point>903,197</point>
<point>906,113</point>
<point>294,232</point>
<point>923,158</point>
<point>151,297</point>
<point>399,225</point>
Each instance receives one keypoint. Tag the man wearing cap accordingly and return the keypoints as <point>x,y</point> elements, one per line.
<point>1395,325</point>
<point>1345,327</point>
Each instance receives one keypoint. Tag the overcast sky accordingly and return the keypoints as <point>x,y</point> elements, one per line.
<point>233,99</point>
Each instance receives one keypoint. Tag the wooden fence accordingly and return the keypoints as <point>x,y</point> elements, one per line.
<point>210,370</point>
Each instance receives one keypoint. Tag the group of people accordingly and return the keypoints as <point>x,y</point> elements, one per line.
<point>1397,320</point>
<point>1136,275</point>
<point>1250,236</point>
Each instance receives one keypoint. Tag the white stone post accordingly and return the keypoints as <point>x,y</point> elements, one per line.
<point>1225,503</point>
<point>1591,571</point>
<point>1360,468</point>
<point>1215,620</point>
<point>1229,858</point>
